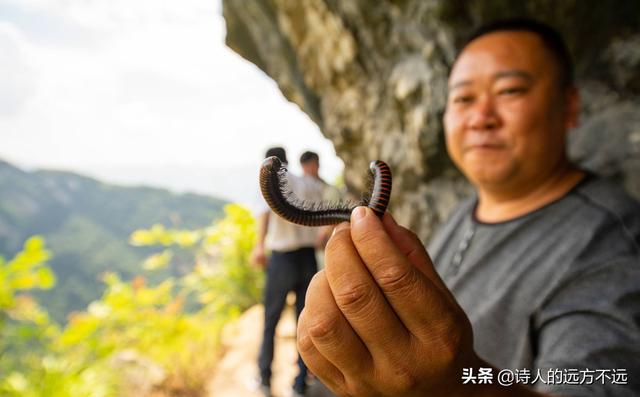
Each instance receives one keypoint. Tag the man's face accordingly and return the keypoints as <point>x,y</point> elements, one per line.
<point>506,114</point>
<point>311,167</point>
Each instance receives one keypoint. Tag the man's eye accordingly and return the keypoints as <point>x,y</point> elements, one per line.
<point>512,91</point>
<point>463,99</point>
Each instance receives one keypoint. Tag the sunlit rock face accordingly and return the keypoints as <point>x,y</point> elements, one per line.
<point>373,76</point>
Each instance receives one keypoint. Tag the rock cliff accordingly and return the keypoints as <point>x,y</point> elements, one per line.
<point>373,76</point>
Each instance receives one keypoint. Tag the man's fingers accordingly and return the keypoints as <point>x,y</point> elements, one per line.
<point>411,246</point>
<point>359,298</point>
<point>325,327</point>
<point>417,300</point>
<point>314,360</point>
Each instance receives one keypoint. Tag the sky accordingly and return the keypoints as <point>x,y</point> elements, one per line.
<point>142,92</point>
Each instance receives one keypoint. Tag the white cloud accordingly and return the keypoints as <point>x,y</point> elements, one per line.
<point>17,78</point>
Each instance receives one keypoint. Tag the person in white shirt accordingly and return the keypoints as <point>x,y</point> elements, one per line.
<point>290,267</point>
<point>310,163</point>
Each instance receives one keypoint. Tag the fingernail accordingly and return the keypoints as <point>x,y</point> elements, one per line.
<point>358,214</point>
<point>341,226</point>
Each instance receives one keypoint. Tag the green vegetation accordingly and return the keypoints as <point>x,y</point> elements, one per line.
<point>139,337</point>
<point>86,224</point>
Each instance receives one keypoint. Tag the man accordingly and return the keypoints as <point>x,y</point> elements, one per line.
<point>291,266</point>
<point>541,268</point>
<point>310,163</point>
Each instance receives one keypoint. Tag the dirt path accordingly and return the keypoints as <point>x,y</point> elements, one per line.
<point>237,372</point>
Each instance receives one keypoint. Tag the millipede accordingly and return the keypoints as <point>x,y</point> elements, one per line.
<point>285,204</point>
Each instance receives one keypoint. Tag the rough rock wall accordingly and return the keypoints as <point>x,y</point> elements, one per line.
<point>373,76</point>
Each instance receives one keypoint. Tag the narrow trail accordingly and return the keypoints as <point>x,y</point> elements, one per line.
<point>236,373</point>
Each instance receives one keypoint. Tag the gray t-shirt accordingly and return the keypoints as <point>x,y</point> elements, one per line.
<point>558,288</point>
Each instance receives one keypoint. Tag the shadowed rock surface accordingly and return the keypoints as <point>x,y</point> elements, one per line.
<point>373,76</point>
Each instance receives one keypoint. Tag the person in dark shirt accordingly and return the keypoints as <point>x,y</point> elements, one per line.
<point>537,275</point>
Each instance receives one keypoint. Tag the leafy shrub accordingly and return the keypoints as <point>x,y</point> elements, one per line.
<point>137,338</point>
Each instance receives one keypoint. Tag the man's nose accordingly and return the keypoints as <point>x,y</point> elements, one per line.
<point>484,115</point>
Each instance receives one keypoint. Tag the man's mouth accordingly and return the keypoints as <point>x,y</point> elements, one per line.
<point>484,146</point>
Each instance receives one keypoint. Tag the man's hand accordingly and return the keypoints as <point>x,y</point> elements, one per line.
<point>378,320</point>
<point>258,257</point>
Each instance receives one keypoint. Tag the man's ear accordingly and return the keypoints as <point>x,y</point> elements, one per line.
<point>572,108</point>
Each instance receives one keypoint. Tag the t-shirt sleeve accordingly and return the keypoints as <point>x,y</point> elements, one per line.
<point>588,332</point>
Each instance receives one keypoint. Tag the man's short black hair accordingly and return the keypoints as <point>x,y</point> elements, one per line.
<point>550,37</point>
<point>309,156</point>
<point>279,152</point>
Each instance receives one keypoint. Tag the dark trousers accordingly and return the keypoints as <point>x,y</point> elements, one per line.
<point>286,271</point>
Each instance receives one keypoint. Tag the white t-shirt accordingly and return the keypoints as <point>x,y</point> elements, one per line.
<point>283,235</point>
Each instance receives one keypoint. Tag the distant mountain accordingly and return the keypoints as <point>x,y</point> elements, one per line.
<point>238,183</point>
<point>87,225</point>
